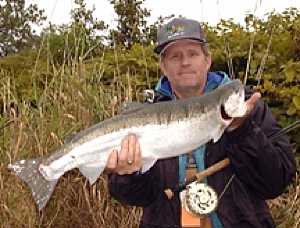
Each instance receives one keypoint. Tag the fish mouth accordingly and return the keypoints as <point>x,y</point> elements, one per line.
<point>234,107</point>
<point>224,115</point>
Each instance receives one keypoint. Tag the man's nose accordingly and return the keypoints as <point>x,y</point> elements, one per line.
<point>185,60</point>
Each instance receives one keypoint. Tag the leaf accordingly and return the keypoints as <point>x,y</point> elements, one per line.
<point>296,101</point>
<point>268,85</point>
<point>292,110</point>
<point>290,74</point>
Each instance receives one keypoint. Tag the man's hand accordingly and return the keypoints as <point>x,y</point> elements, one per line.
<point>128,160</point>
<point>250,103</point>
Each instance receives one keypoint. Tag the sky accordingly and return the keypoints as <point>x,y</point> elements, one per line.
<point>211,11</point>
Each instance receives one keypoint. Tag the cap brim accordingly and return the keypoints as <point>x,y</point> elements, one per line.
<point>162,47</point>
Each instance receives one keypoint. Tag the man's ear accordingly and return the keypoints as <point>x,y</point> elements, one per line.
<point>162,67</point>
<point>209,61</point>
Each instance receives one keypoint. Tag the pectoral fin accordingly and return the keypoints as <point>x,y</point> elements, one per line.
<point>92,171</point>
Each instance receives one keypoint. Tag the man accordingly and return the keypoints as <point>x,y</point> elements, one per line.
<point>259,169</point>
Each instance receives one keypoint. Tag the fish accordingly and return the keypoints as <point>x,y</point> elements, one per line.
<point>166,129</point>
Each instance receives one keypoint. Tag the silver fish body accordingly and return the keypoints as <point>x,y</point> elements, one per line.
<point>164,130</point>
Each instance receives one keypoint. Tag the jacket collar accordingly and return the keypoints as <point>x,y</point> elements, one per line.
<point>214,79</point>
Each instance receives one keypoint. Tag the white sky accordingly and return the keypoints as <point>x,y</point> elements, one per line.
<point>211,11</point>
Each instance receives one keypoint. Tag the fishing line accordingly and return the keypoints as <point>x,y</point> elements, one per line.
<point>227,47</point>
<point>285,130</point>
<point>39,53</point>
<point>252,42</point>
<point>202,7</point>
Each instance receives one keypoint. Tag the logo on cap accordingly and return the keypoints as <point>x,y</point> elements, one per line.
<point>175,30</point>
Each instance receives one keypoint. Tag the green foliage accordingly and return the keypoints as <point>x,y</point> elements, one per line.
<point>132,26</point>
<point>16,22</point>
<point>84,24</point>
<point>81,39</point>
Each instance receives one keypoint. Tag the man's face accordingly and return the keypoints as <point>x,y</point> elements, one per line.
<point>186,67</point>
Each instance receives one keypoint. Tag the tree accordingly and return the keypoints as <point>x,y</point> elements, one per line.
<point>132,25</point>
<point>82,38</point>
<point>83,19</point>
<point>87,31</point>
<point>16,22</point>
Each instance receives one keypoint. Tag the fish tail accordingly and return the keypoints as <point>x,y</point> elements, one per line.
<point>41,188</point>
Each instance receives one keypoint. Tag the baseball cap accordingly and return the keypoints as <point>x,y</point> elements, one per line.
<point>177,29</point>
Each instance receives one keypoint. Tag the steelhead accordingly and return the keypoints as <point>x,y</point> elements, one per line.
<point>164,130</point>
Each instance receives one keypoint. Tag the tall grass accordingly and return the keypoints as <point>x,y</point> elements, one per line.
<point>70,99</point>
<point>285,209</point>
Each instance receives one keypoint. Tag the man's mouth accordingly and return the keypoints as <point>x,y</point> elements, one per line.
<point>187,73</point>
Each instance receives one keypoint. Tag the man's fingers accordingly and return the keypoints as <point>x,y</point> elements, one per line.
<point>131,149</point>
<point>112,160</point>
<point>124,152</point>
<point>250,103</point>
<point>129,157</point>
<point>137,155</point>
<point>252,100</point>
<point>137,164</point>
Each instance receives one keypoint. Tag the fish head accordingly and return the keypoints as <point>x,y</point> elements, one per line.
<point>233,101</point>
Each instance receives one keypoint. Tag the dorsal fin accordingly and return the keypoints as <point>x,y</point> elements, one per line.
<point>130,107</point>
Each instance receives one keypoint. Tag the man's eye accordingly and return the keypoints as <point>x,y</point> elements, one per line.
<point>175,57</point>
<point>194,53</point>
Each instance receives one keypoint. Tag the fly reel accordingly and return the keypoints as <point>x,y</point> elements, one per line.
<point>200,199</point>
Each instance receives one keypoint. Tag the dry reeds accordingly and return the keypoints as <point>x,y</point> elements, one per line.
<point>70,99</point>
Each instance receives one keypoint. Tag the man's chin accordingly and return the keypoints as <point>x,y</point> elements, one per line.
<point>188,75</point>
<point>193,88</point>
<point>190,86</point>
